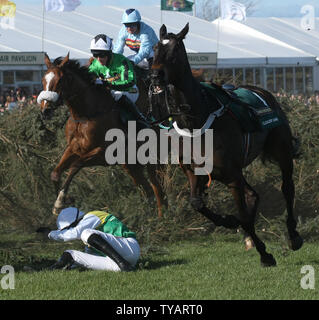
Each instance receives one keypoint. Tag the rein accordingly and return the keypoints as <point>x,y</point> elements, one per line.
<point>198,132</point>
<point>154,122</point>
<point>184,132</point>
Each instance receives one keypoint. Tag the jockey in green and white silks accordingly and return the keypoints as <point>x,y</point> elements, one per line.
<point>114,68</point>
<point>110,245</point>
<point>118,75</point>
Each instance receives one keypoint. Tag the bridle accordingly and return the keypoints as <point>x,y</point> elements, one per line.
<point>157,87</point>
<point>52,98</point>
<point>166,91</point>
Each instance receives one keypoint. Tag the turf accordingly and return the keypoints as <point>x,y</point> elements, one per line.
<point>209,268</point>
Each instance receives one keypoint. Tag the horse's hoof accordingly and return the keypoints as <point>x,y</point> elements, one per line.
<point>268,260</point>
<point>249,243</point>
<point>295,243</point>
<point>197,203</point>
<point>54,176</point>
<point>230,222</point>
<point>56,211</point>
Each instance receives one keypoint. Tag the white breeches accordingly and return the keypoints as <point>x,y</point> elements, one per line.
<point>128,248</point>
<point>131,95</point>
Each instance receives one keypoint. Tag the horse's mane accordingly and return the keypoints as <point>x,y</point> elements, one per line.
<point>100,98</point>
<point>75,67</point>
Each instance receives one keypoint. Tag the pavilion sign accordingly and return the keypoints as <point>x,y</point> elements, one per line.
<point>21,58</point>
<point>203,59</point>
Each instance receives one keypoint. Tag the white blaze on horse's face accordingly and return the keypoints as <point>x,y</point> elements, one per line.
<point>48,79</point>
<point>165,41</point>
<point>47,95</point>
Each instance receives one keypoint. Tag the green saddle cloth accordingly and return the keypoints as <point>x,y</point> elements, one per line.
<point>253,114</point>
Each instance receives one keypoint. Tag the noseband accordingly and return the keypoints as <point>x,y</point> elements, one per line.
<point>50,96</point>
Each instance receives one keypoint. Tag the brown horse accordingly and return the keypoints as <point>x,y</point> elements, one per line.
<point>229,156</point>
<point>93,112</point>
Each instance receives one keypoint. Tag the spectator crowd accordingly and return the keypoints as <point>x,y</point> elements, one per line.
<point>309,100</point>
<point>15,99</point>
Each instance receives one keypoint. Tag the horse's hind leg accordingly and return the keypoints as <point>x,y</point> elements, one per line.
<point>135,171</point>
<point>247,199</point>
<point>279,147</point>
<point>252,201</point>
<point>288,190</point>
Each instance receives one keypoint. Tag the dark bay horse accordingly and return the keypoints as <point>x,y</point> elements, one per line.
<point>93,112</point>
<point>229,156</point>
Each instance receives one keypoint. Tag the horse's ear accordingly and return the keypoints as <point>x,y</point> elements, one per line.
<point>65,60</point>
<point>163,32</point>
<point>183,33</point>
<point>47,61</point>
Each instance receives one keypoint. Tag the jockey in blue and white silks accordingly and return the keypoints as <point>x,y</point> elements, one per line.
<point>138,36</point>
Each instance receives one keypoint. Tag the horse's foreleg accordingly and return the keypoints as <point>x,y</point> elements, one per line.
<point>153,175</point>
<point>60,201</point>
<point>197,186</point>
<point>65,162</point>
<point>247,220</point>
<point>91,158</point>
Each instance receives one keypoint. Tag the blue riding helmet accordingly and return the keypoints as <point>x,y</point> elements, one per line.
<point>69,217</point>
<point>131,16</point>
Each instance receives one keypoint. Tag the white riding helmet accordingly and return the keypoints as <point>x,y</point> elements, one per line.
<point>101,42</point>
<point>131,16</point>
<point>68,216</point>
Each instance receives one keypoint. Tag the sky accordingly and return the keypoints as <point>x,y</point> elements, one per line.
<point>263,8</point>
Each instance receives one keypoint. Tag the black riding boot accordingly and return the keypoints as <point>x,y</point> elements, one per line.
<point>64,263</point>
<point>100,244</point>
<point>125,103</point>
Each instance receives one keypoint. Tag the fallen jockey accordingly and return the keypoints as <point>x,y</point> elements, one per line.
<point>109,244</point>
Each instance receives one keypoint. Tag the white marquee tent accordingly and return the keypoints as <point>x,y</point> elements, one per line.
<point>255,43</point>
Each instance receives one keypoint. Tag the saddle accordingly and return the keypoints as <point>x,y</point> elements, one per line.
<point>246,106</point>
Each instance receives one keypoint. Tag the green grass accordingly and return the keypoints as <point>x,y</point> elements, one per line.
<point>209,267</point>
